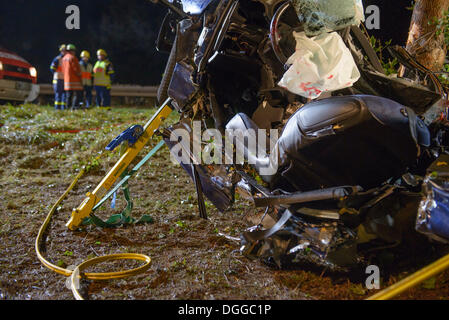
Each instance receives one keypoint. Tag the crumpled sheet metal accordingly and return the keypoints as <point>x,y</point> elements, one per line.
<point>216,180</point>
<point>433,212</point>
<point>325,243</point>
<point>319,16</point>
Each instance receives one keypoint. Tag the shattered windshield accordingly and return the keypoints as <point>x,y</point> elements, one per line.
<point>321,16</point>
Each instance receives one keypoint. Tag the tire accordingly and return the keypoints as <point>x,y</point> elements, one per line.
<point>162,92</point>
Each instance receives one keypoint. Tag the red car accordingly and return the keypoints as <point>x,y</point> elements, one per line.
<point>18,78</point>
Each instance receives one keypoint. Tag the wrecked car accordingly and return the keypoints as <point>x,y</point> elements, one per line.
<point>351,152</point>
<point>345,150</point>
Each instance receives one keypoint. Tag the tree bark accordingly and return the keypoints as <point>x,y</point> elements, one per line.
<point>423,42</point>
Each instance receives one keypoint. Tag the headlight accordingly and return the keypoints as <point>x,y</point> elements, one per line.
<point>33,72</point>
<point>1,66</point>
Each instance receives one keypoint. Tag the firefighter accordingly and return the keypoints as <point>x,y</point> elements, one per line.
<point>58,79</point>
<point>103,73</point>
<point>86,74</point>
<point>72,77</point>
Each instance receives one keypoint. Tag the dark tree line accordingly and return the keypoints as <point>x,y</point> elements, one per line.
<point>126,29</point>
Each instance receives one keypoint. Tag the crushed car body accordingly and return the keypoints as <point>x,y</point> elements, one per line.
<point>345,150</point>
<point>350,151</point>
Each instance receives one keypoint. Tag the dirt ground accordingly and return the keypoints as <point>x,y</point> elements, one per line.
<point>41,150</point>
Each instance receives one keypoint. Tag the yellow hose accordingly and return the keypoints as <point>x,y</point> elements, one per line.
<point>75,274</point>
<point>413,280</point>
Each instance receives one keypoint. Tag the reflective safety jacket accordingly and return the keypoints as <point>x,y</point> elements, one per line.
<point>56,69</point>
<point>103,71</point>
<point>86,73</point>
<point>72,73</point>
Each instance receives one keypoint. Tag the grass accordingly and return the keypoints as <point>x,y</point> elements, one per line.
<point>45,128</point>
<point>190,259</point>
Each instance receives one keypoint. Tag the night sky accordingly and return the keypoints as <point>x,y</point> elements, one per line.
<point>126,29</point>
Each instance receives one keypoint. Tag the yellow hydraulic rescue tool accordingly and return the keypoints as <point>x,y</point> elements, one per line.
<point>85,210</point>
<point>92,198</point>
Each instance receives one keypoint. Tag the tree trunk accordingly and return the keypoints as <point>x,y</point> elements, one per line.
<point>423,42</point>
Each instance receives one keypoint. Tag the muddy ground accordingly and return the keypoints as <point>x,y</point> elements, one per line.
<point>41,151</point>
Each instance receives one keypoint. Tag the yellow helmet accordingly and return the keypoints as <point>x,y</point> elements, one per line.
<point>101,52</point>
<point>85,54</point>
<point>62,47</point>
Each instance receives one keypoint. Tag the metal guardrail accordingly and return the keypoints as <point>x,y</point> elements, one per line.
<point>116,91</point>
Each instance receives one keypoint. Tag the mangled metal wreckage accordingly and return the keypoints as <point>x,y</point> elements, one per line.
<point>354,146</point>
